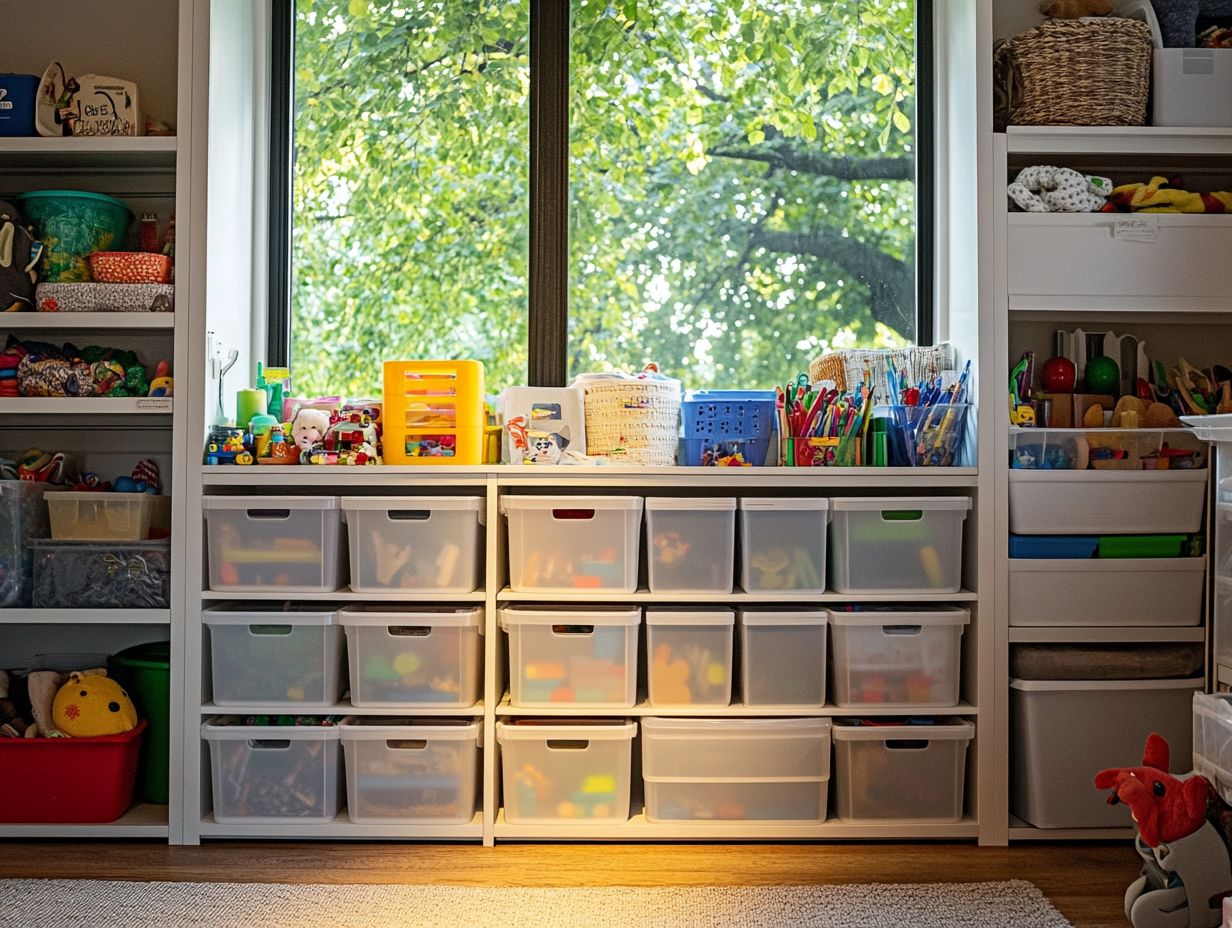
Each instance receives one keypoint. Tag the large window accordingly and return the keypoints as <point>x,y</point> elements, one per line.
<point>741,192</point>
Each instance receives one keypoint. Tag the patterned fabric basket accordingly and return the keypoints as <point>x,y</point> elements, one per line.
<point>1080,72</point>
<point>846,368</point>
<point>632,418</point>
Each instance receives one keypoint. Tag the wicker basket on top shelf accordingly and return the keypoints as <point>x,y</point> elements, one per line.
<point>1080,72</point>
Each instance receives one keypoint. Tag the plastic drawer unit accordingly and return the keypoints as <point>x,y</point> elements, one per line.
<point>1106,502</point>
<point>422,771</point>
<point>426,544</point>
<point>563,771</point>
<point>269,655</point>
<point>275,543</point>
<point>752,770</point>
<point>564,544</point>
<point>1107,591</point>
<point>898,544</point>
<point>691,544</point>
<point>404,656</point>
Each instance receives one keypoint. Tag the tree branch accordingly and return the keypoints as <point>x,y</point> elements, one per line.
<point>786,154</point>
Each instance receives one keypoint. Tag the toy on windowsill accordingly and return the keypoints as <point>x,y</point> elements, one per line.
<point>352,438</point>
<point>228,446</point>
<point>1184,840</point>
<point>278,450</point>
<point>308,428</point>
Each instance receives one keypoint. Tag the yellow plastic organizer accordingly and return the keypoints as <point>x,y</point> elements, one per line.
<point>433,412</point>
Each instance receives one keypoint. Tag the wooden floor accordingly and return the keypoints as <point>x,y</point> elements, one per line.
<point>1085,881</point>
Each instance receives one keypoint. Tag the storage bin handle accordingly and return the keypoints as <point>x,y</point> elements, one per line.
<point>904,630</point>
<point>573,515</point>
<point>269,744</point>
<point>566,744</point>
<point>409,631</point>
<point>280,514</point>
<point>406,744</point>
<point>573,629</point>
<point>906,744</point>
<point>408,515</point>
<point>902,515</point>
<point>269,630</point>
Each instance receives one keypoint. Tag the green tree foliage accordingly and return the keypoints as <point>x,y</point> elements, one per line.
<point>741,185</point>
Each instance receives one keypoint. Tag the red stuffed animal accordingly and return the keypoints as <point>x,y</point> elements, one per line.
<point>1164,807</point>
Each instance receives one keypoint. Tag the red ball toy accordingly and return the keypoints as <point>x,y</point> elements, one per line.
<point>1059,375</point>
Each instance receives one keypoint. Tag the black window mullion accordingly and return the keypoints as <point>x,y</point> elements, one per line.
<point>925,174</point>
<point>281,153</point>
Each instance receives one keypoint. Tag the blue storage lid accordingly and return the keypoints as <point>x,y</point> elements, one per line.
<point>1053,546</point>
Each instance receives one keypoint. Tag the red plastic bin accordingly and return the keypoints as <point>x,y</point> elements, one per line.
<point>85,780</point>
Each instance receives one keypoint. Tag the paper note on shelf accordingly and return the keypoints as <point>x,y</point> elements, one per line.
<point>1136,229</point>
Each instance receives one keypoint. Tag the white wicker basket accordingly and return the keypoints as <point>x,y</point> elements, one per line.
<point>632,418</point>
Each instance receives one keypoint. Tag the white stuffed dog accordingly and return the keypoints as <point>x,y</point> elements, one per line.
<point>1047,189</point>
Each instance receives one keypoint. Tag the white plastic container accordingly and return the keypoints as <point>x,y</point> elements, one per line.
<point>404,656</point>
<point>691,544</point>
<point>294,544</point>
<point>1107,502</point>
<point>89,516</point>
<point>689,656</point>
<point>277,655</point>
<point>421,771</point>
<point>753,770</point>
<point>272,773</point>
<point>904,773</point>
<point>1212,740</point>
<point>428,544</point>
<point>783,657</point>
<point>783,544</point>
<point>903,544</point>
<point>1063,732</point>
<point>565,544</point>
<point>897,656</point>
<point>572,655</point>
<point>569,773</point>
<point>1107,591</point>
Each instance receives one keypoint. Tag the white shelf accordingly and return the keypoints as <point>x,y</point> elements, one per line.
<point>345,708</point>
<point>346,596</point>
<point>95,154</point>
<point>13,321</point>
<point>342,828</point>
<point>88,405</point>
<point>638,829</point>
<point>733,711</point>
<point>1105,634</point>
<point>85,616</point>
<point>1021,831</point>
<point>643,596</point>
<point>141,821</point>
<point>1118,140</point>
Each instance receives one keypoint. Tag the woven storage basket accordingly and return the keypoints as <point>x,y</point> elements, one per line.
<point>1081,72</point>
<point>632,419</point>
<point>846,368</point>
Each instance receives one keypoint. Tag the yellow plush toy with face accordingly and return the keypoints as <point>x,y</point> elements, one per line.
<point>92,705</point>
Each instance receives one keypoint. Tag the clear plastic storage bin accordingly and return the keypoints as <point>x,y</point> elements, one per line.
<point>428,544</point>
<point>101,574</point>
<point>757,770</point>
<point>689,656</point>
<point>562,771</point>
<point>1107,591</point>
<point>411,770</point>
<point>903,544</point>
<point>904,772</point>
<point>783,657</point>
<point>1212,740</point>
<point>402,656</point>
<point>896,655</point>
<point>89,516</point>
<point>270,773</point>
<point>23,518</point>
<point>295,544</point>
<point>1108,502</point>
<point>691,544</point>
<point>561,544</point>
<point>581,655</point>
<point>783,544</point>
<point>275,655</point>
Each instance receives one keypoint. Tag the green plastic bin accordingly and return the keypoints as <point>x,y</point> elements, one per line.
<point>1126,546</point>
<point>71,224</point>
<point>145,671</point>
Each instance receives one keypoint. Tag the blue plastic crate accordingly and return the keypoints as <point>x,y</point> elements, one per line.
<point>718,423</point>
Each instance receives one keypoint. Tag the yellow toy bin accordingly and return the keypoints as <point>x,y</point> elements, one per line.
<point>433,412</point>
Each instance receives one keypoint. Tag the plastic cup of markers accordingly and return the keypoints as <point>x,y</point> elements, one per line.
<point>924,436</point>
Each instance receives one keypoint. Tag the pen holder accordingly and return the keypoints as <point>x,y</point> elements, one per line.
<point>922,436</point>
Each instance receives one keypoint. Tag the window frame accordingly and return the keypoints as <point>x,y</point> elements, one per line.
<point>548,258</point>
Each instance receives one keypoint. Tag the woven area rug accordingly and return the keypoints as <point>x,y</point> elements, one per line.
<point>115,904</point>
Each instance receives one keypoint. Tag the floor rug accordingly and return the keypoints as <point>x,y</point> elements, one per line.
<point>117,904</point>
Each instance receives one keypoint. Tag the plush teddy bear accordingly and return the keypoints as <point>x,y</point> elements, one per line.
<point>1047,189</point>
<point>308,429</point>
<point>1178,19</point>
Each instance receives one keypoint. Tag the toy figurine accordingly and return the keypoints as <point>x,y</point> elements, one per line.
<point>278,450</point>
<point>227,446</point>
<point>162,382</point>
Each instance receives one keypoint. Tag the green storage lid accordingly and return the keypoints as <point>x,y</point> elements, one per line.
<point>1129,546</point>
<point>76,194</point>
<point>153,655</point>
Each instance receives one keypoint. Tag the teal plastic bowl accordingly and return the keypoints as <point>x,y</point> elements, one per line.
<point>71,224</point>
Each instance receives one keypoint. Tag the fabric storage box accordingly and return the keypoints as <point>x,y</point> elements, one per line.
<point>582,655</point>
<point>904,544</point>
<point>23,518</point>
<point>429,544</point>
<point>691,544</point>
<point>756,770</point>
<point>559,544</point>
<point>277,543</point>
<point>270,773</point>
<point>275,655</point>
<point>561,771</point>
<point>101,575</point>
<point>1212,740</point>
<point>783,544</point>
<point>87,516</point>
<point>80,780</point>
<point>404,656</point>
<point>783,657</point>
<point>411,770</point>
<point>1056,754</point>
<point>541,423</point>
<point>689,656</point>
<point>18,93</point>
<point>1127,591</point>
<point>897,655</point>
<point>104,298</point>
<point>902,772</point>
<point>1047,502</point>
